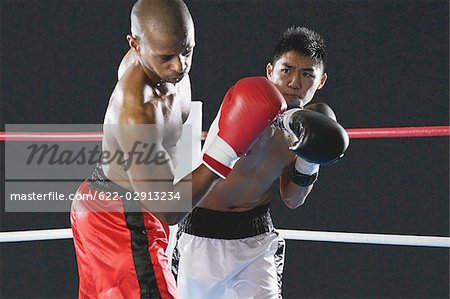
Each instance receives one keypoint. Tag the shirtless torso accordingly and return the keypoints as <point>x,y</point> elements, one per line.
<point>135,97</point>
<point>251,182</point>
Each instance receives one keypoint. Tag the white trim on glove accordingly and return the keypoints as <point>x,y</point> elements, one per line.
<point>306,167</point>
<point>220,157</point>
<point>286,116</point>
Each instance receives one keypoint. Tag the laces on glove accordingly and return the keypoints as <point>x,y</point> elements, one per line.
<point>296,128</point>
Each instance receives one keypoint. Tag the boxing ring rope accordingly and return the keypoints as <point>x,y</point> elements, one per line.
<point>303,235</point>
<point>359,133</point>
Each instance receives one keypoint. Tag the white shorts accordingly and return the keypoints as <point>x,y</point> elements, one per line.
<point>212,268</point>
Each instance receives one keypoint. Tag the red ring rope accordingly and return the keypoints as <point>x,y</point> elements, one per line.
<point>399,132</point>
<point>50,136</point>
<point>360,133</point>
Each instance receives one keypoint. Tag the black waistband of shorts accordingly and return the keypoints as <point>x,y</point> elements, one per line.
<point>98,181</point>
<point>228,225</point>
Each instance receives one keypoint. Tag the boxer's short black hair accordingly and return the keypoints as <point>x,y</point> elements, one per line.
<point>303,40</point>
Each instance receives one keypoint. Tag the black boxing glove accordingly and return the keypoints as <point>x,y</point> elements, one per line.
<point>306,173</point>
<point>320,139</point>
<point>322,108</point>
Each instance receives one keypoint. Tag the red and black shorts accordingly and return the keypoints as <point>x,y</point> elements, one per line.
<point>120,248</point>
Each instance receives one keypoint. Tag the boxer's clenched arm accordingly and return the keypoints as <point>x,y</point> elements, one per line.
<point>321,141</point>
<point>153,171</point>
<point>292,194</point>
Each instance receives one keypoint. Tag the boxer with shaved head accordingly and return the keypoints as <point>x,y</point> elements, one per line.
<point>120,236</point>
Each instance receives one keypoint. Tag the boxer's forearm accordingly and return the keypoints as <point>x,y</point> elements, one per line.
<point>195,187</point>
<point>292,194</point>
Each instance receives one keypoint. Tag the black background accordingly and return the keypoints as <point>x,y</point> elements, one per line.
<point>388,67</point>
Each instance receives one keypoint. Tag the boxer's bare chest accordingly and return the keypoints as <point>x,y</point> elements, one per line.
<point>269,156</point>
<point>174,110</point>
<point>166,110</point>
<point>171,117</point>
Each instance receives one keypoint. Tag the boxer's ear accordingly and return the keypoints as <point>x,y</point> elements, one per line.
<point>133,42</point>
<point>269,70</point>
<point>323,79</point>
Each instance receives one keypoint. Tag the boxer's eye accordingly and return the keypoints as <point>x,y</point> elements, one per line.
<point>166,57</point>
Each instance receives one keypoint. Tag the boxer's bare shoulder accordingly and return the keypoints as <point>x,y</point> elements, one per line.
<point>128,59</point>
<point>137,101</point>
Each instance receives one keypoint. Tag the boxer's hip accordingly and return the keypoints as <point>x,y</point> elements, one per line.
<point>227,225</point>
<point>119,247</point>
<point>102,203</point>
<point>228,255</point>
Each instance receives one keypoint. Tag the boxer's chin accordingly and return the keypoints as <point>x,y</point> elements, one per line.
<point>174,79</point>
<point>295,103</point>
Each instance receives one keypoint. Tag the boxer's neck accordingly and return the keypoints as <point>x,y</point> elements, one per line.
<point>160,87</point>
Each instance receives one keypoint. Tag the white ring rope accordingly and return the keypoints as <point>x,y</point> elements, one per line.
<point>322,236</point>
<point>384,239</point>
<point>36,235</point>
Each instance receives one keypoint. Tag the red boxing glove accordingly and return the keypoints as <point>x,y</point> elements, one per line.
<point>248,108</point>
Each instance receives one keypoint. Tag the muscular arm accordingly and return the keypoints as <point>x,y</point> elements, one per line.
<point>322,140</point>
<point>158,176</point>
<point>292,194</point>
